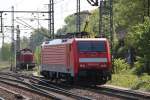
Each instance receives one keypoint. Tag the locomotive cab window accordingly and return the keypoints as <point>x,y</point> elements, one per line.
<point>95,46</point>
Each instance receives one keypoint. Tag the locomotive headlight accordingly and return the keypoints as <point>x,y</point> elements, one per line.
<point>82,65</point>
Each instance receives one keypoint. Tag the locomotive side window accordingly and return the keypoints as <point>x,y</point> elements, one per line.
<point>95,46</point>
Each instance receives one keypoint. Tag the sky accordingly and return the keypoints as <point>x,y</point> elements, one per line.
<point>62,8</point>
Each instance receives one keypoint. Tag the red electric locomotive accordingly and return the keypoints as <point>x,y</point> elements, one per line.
<point>25,59</point>
<point>84,59</point>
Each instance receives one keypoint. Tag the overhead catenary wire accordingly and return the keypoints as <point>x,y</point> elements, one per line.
<point>25,23</point>
<point>64,12</point>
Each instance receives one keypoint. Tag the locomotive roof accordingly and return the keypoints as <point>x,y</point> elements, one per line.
<point>91,39</point>
<point>26,49</point>
<point>69,41</point>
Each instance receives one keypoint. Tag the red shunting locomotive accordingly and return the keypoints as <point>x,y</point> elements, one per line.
<point>25,59</point>
<point>78,59</point>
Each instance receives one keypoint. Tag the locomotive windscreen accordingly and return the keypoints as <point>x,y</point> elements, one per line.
<point>92,46</point>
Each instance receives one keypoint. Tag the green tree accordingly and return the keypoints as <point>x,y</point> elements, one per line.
<point>37,55</point>
<point>93,26</point>
<point>5,52</point>
<point>128,13</point>
<point>139,38</point>
<point>70,23</point>
<point>24,42</point>
<point>39,35</point>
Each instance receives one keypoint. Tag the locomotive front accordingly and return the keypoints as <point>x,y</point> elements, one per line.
<point>25,59</point>
<point>94,60</point>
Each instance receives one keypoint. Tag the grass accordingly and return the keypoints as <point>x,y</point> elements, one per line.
<point>4,64</point>
<point>131,81</point>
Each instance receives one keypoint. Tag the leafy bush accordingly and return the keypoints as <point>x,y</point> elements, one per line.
<point>4,64</point>
<point>138,38</point>
<point>120,65</point>
<point>138,68</point>
<point>123,80</point>
<point>120,52</point>
<point>143,83</point>
<point>37,55</point>
<point>129,80</point>
<point>141,66</point>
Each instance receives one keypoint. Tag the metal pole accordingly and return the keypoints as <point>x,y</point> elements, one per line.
<point>49,19</point>
<point>17,44</point>
<point>2,29</point>
<point>38,22</point>
<point>78,17</point>
<point>53,19</point>
<point>22,11</point>
<point>18,39</point>
<point>1,23</point>
<point>12,39</point>
<point>31,42</point>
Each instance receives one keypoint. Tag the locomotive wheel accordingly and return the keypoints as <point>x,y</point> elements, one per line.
<point>45,74</point>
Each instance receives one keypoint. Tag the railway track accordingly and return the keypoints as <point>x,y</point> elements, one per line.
<point>107,90</point>
<point>42,84</point>
<point>5,92</point>
<point>112,91</point>
<point>124,93</point>
<point>116,92</point>
<point>31,82</point>
<point>25,86</point>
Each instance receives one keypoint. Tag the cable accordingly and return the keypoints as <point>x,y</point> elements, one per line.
<point>30,19</point>
<point>92,2</point>
<point>25,25</point>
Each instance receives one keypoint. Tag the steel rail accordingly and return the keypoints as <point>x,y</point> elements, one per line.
<point>50,87</point>
<point>45,86</point>
<point>131,94</point>
<point>28,87</point>
<point>62,91</point>
<point>16,94</point>
<point>125,94</point>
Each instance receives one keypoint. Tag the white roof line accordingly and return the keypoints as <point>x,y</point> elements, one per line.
<point>59,41</point>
